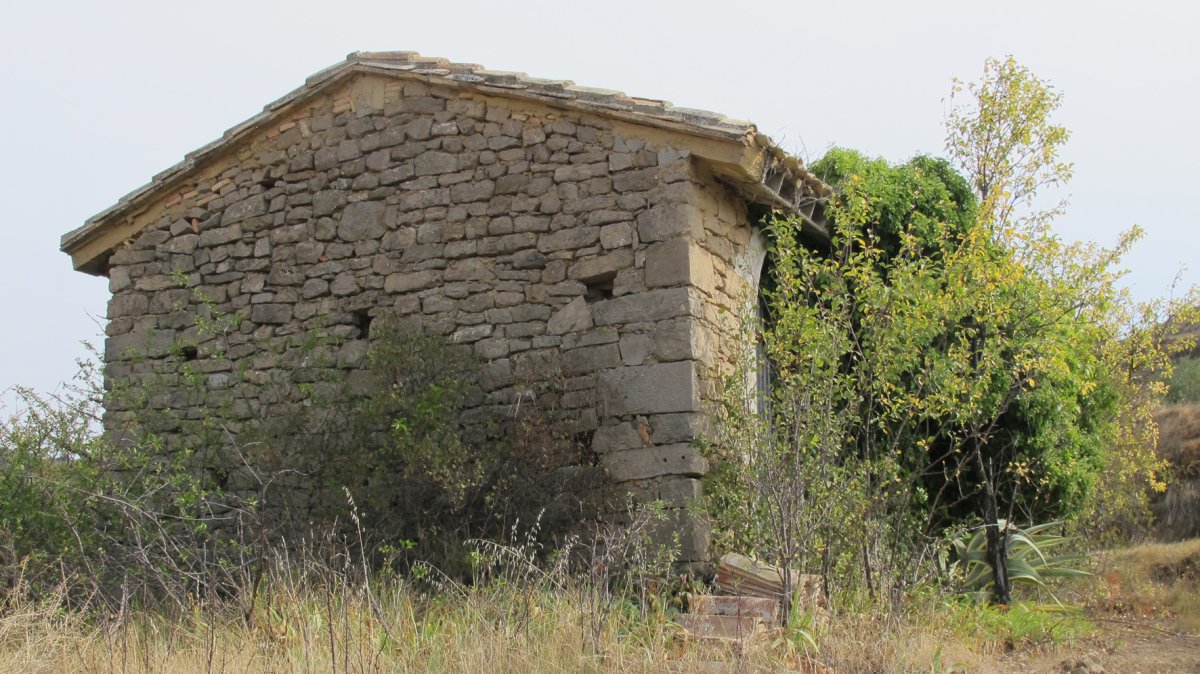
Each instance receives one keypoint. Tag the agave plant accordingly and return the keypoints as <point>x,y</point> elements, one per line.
<point>1028,561</point>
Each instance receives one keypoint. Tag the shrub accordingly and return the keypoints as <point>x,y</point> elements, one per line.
<point>49,466</point>
<point>1184,384</point>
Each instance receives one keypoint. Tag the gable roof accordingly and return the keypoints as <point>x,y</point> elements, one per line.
<point>766,173</point>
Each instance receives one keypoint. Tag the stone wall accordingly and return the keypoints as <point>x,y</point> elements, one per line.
<point>552,243</point>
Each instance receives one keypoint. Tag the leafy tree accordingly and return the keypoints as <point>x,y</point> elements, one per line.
<point>928,200</point>
<point>946,357</point>
<point>1004,141</point>
<point>918,197</point>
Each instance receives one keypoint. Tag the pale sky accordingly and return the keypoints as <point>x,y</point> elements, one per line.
<point>100,96</point>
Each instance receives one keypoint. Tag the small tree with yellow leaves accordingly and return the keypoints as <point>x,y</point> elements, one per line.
<point>947,358</point>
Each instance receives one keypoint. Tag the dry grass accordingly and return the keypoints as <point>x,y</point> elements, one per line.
<point>328,620</point>
<point>392,632</point>
<point>1179,438</point>
<point>392,627</point>
<point>1177,512</point>
<point>1157,580</point>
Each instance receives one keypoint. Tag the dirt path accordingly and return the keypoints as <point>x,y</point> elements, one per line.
<point>1124,647</point>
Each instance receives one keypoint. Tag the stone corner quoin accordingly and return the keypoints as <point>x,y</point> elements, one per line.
<point>548,240</point>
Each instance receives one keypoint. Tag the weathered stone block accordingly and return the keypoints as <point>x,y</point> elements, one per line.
<point>688,532</point>
<point>529,259</point>
<point>568,239</point>
<point>469,269</point>
<point>673,492</point>
<point>362,220</point>
<point>167,301</point>
<point>220,236</point>
<point>154,282</point>
<point>471,334</point>
<point>653,305</point>
<point>680,492</point>
<point>616,437</point>
<point>590,359</point>
<point>601,266</point>
<point>118,279</point>
<point>344,284</point>
<point>616,235</point>
<point>404,282</point>
<point>650,389</point>
<point>530,312</point>
<point>647,462</point>
<point>670,221</point>
<point>607,335</point>
<point>271,314</point>
<point>575,316</point>
<point>634,348</point>
<point>325,202</point>
<point>534,364</point>
<point>468,192</point>
<point>639,180</point>
<point>491,349</point>
<point>435,163</point>
<point>184,244</point>
<point>668,428</point>
<point>668,263</point>
<point>147,344</point>
<point>353,353</point>
<point>314,288</point>
<point>509,243</point>
<point>247,208</point>
<point>128,304</point>
<point>531,223</point>
<point>675,340</point>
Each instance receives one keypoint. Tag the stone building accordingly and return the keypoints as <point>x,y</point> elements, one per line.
<point>537,221</point>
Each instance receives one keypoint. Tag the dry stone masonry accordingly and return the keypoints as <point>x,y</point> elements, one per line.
<point>557,231</point>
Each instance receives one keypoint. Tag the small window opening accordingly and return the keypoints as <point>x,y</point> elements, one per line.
<point>599,287</point>
<point>362,321</point>
<point>190,352</point>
